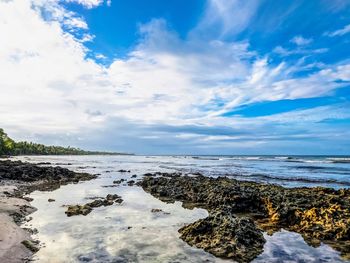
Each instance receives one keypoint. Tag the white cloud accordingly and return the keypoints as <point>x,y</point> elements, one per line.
<point>301,41</point>
<point>339,32</point>
<point>88,3</point>
<point>75,22</point>
<point>49,87</point>
<point>298,51</point>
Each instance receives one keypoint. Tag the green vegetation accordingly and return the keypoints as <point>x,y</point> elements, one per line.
<point>10,147</point>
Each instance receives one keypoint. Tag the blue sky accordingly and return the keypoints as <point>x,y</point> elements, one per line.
<point>178,77</point>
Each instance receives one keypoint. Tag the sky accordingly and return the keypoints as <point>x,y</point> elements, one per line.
<point>178,76</point>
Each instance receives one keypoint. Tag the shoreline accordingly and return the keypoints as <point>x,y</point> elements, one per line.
<point>239,211</point>
<point>13,209</point>
<point>18,179</point>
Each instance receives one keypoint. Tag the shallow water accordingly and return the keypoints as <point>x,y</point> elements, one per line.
<point>130,232</point>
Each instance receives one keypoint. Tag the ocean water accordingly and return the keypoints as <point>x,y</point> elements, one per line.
<point>130,232</point>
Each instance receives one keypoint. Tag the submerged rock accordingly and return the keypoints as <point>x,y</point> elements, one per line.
<point>116,198</point>
<point>124,171</point>
<point>73,210</point>
<point>85,209</point>
<point>156,210</point>
<point>159,211</point>
<point>131,183</point>
<point>224,235</point>
<point>119,181</point>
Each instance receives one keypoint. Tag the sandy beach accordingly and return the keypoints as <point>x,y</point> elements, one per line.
<point>11,234</point>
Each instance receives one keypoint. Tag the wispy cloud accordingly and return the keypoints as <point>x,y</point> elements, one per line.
<point>339,32</point>
<point>299,51</point>
<point>224,18</point>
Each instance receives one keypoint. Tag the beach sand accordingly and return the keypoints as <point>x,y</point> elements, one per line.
<point>11,234</point>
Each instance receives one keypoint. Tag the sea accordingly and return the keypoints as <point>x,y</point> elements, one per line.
<point>131,232</point>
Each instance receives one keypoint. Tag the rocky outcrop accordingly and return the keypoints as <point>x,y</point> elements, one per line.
<point>39,176</point>
<point>319,214</point>
<point>224,235</point>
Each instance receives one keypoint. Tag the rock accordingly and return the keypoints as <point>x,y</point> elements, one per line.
<point>124,171</point>
<point>118,181</point>
<point>73,210</point>
<point>226,236</point>
<point>107,186</point>
<point>29,199</point>
<point>30,245</point>
<point>134,176</point>
<point>51,200</point>
<point>110,199</point>
<point>318,214</point>
<point>27,172</point>
<point>131,183</point>
<point>116,198</point>
<point>156,210</point>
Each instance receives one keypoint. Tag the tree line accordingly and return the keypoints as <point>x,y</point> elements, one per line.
<point>10,147</point>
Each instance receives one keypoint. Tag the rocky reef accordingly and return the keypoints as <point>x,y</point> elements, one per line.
<point>238,210</point>
<point>85,209</point>
<point>31,177</point>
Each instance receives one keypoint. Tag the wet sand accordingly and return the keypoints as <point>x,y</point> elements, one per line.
<point>11,234</point>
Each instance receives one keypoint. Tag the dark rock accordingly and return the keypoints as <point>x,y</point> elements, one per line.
<point>51,200</point>
<point>107,186</point>
<point>226,236</point>
<point>32,231</point>
<point>22,171</point>
<point>156,210</point>
<point>134,176</point>
<point>30,245</point>
<point>85,209</point>
<point>28,199</point>
<point>124,171</point>
<point>118,181</point>
<point>131,183</point>
<point>73,210</point>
